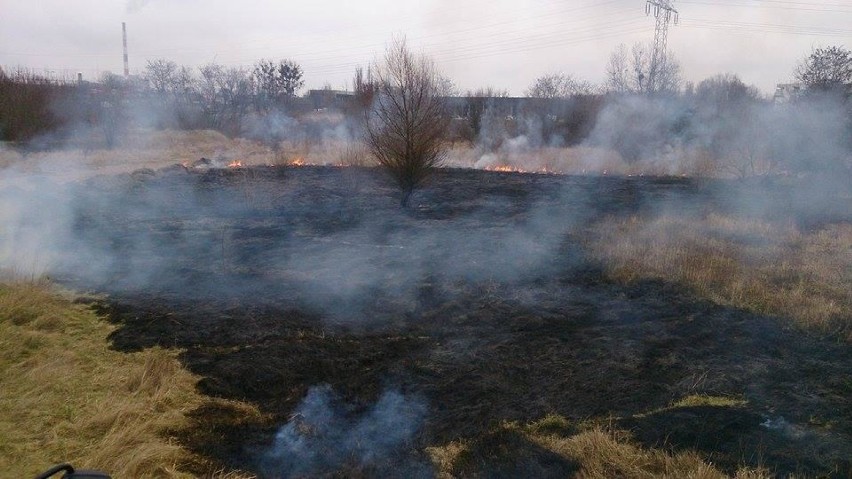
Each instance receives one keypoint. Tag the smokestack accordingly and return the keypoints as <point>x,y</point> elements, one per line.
<point>124,40</point>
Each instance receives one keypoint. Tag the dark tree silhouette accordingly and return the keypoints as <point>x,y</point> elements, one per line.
<point>826,69</point>
<point>276,82</point>
<point>407,121</point>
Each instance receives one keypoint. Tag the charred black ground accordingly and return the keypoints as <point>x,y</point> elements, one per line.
<point>478,299</point>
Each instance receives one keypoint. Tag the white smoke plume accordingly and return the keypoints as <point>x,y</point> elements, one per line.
<point>323,437</point>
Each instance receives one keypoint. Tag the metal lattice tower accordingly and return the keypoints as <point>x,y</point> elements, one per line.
<point>665,13</point>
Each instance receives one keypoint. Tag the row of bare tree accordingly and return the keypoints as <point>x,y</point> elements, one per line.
<point>219,97</point>
<point>628,72</point>
<point>405,111</point>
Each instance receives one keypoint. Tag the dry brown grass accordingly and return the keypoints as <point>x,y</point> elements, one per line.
<point>596,452</point>
<point>555,160</point>
<point>578,160</point>
<point>764,267</point>
<point>159,149</point>
<point>144,148</point>
<point>66,397</point>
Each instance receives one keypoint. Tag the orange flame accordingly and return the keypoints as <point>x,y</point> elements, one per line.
<point>298,161</point>
<point>235,164</point>
<point>543,170</point>
<point>503,168</point>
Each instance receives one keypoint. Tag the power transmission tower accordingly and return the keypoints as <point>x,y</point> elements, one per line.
<point>665,13</point>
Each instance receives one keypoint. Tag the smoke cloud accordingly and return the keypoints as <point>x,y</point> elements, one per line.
<point>325,435</point>
<point>302,236</point>
<point>709,132</point>
<point>319,240</point>
<point>134,6</point>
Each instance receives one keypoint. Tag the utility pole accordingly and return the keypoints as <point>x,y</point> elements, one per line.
<point>665,13</point>
<point>124,41</point>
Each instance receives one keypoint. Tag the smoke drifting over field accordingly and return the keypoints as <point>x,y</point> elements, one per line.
<point>706,134</point>
<point>324,436</point>
<point>332,243</point>
<point>147,231</point>
<point>335,246</point>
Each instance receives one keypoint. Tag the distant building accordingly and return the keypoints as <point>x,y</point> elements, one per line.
<point>785,92</point>
<point>325,98</point>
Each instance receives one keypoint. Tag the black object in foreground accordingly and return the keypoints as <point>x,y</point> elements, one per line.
<point>70,473</point>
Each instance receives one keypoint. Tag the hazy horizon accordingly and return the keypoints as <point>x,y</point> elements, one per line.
<point>476,43</point>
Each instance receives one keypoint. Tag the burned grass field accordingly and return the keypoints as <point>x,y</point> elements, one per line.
<point>476,333</point>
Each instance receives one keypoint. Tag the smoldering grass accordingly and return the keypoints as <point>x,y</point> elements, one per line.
<point>323,437</point>
<point>147,148</point>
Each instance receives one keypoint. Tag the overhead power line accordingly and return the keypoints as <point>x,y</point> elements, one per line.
<point>779,5</point>
<point>492,34</point>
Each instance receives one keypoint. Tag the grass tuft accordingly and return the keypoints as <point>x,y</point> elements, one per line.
<point>695,400</point>
<point>65,396</point>
<point>592,452</point>
<point>763,267</point>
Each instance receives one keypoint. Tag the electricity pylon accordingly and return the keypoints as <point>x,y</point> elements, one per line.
<point>665,13</point>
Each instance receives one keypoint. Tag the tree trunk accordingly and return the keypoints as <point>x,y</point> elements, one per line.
<point>406,197</point>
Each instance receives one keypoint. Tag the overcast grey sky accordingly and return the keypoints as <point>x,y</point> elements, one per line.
<point>500,43</point>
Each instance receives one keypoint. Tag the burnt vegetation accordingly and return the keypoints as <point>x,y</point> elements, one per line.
<point>490,306</point>
<point>682,308</point>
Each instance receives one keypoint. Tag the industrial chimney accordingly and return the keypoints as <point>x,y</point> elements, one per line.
<point>124,40</point>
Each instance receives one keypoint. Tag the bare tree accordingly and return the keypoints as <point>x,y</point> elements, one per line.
<point>291,77</point>
<point>208,93</point>
<point>553,114</point>
<point>618,71</point>
<point>160,74</point>
<point>666,78</point>
<point>407,121</point>
<point>111,113</point>
<point>630,73</point>
<point>726,92</point>
<point>488,92</point>
<point>182,81</point>
<point>276,82</point>
<point>364,87</point>
<point>747,153</point>
<point>734,126</point>
<point>225,95</point>
<point>826,69</point>
<point>559,85</point>
<point>446,86</point>
<point>183,96</point>
<point>174,90</point>
<point>477,103</point>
